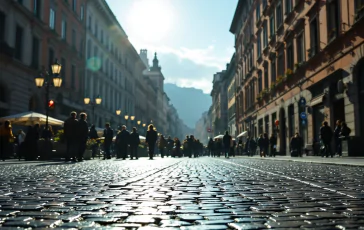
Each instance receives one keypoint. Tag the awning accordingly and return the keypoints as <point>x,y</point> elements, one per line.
<point>243,134</point>
<point>219,136</point>
<point>31,118</point>
<point>317,100</point>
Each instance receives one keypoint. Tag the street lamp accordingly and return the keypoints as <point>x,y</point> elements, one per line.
<point>138,122</point>
<point>97,101</point>
<point>57,82</point>
<point>118,113</point>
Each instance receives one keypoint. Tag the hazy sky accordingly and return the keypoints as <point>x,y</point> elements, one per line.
<point>191,37</point>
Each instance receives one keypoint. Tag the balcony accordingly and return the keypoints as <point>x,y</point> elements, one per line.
<point>359,14</point>
<point>259,22</point>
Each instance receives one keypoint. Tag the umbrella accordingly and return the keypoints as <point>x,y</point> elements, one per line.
<point>31,118</point>
<point>243,134</point>
<point>219,136</point>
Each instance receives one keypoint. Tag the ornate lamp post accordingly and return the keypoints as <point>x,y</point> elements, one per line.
<point>57,82</point>
<point>132,120</point>
<point>126,119</point>
<point>97,101</point>
<point>118,113</point>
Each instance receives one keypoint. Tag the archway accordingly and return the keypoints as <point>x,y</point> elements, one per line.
<point>282,131</point>
<point>360,83</point>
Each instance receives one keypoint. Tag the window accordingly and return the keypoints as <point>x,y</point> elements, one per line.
<point>52,19</point>
<point>257,12</point>
<point>82,13</point>
<point>73,77</point>
<point>313,38</point>
<point>260,82</point>
<point>279,15</point>
<point>266,84</point>
<point>264,3</point>
<point>64,70</point>
<point>2,26</point>
<point>19,43</point>
<point>74,5</point>
<point>37,8</point>
<point>89,22</point>
<point>96,29</point>
<point>332,19</point>
<point>265,36</point>
<point>89,45</point>
<point>102,36</point>
<point>290,57</point>
<point>81,48</point>
<point>259,45</point>
<point>300,48</point>
<point>273,71</point>
<point>64,30</point>
<point>280,63</point>
<point>51,59</point>
<point>272,26</point>
<point>74,38</point>
<point>359,4</point>
<point>288,6</point>
<point>35,53</point>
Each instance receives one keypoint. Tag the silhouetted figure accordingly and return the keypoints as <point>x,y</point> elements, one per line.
<point>83,135</point>
<point>326,137</point>
<point>108,135</point>
<point>151,139</point>
<point>94,136</point>
<point>71,128</point>
<point>134,143</point>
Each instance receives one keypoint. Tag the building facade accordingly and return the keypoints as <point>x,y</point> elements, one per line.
<point>231,90</point>
<point>33,35</point>
<point>219,103</point>
<point>299,63</point>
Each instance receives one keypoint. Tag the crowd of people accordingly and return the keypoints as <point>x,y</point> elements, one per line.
<point>123,143</point>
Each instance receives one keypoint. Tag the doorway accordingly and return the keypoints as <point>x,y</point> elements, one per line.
<point>360,77</point>
<point>339,110</point>
<point>282,131</point>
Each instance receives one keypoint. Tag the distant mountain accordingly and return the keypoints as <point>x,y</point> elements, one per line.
<point>189,102</point>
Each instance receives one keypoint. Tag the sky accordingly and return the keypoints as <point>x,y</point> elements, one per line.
<point>191,37</point>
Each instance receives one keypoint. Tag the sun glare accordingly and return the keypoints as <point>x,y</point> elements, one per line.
<point>150,20</point>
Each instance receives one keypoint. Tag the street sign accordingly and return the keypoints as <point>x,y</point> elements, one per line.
<point>303,116</point>
<point>302,101</point>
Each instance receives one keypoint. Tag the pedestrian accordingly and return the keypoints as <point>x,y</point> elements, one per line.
<point>122,142</point>
<point>134,143</point>
<point>226,142</point>
<point>191,145</point>
<point>93,136</point>
<point>170,144</point>
<point>162,144</point>
<point>108,135</point>
<point>296,146</point>
<point>83,136</point>
<point>150,139</point>
<point>71,129</point>
<point>326,137</point>
<point>337,138</point>
<point>21,145</point>
<point>177,145</point>
<point>6,135</point>
<point>273,145</point>
<point>261,144</point>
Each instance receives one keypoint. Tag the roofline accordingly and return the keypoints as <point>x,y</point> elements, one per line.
<point>236,16</point>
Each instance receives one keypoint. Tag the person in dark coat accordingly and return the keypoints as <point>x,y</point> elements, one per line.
<point>337,138</point>
<point>210,147</point>
<point>31,142</point>
<point>108,135</point>
<point>71,128</point>
<point>177,144</point>
<point>122,142</point>
<point>134,142</point>
<point>326,137</point>
<point>94,136</point>
<point>151,139</point>
<point>296,145</point>
<point>83,135</point>
<point>170,144</point>
<point>273,145</point>
<point>226,142</point>
<point>162,144</point>
<point>262,145</point>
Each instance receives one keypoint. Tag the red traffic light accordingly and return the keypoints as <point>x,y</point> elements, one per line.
<point>51,104</point>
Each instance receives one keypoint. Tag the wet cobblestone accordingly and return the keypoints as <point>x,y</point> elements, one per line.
<point>199,193</point>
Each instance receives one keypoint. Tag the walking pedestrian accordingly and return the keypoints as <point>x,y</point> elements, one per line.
<point>6,135</point>
<point>162,145</point>
<point>326,137</point>
<point>134,143</point>
<point>273,145</point>
<point>71,128</point>
<point>93,136</point>
<point>337,139</point>
<point>150,140</point>
<point>83,136</point>
<point>226,142</point>
<point>108,135</point>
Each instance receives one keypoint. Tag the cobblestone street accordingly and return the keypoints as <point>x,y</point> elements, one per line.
<point>203,193</point>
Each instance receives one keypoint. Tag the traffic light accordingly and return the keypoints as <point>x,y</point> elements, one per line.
<point>51,104</point>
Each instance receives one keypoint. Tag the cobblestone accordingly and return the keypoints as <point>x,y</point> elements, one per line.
<point>201,193</point>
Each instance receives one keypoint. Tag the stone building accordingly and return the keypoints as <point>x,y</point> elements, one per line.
<point>33,34</point>
<point>299,63</point>
<point>220,103</point>
<point>231,90</point>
